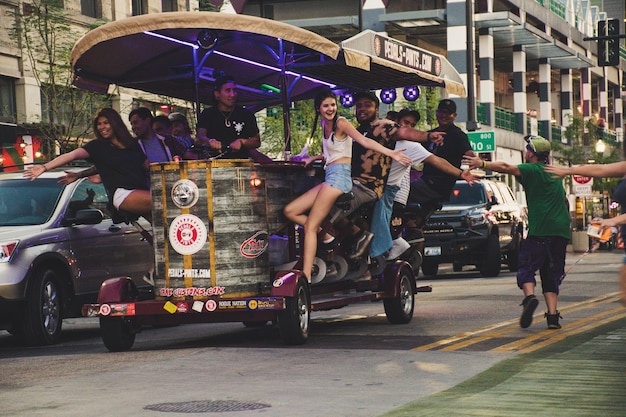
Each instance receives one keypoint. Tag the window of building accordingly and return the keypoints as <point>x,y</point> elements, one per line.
<point>7,100</point>
<point>139,7</point>
<point>169,5</point>
<point>91,8</point>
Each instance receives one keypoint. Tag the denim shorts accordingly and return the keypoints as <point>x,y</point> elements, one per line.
<point>339,176</point>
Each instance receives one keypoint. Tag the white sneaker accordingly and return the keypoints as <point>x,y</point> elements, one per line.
<point>399,246</point>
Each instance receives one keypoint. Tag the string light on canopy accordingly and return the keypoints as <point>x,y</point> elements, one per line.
<point>347,100</point>
<point>411,93</point>
<point>388,96</point>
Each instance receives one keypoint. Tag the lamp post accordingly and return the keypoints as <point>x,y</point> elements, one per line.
<point>600,146</point>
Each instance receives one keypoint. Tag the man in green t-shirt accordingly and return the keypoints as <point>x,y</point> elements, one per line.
<point>549,228</point>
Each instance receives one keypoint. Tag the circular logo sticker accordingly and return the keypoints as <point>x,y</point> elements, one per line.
<point>211,305</point>
<point>252,304</point>
<point>185,193</point>
<point>105,310</point>
<point>187,234</point>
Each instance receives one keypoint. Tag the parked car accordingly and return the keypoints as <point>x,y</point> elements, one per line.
<point>57,245</point>
<point>481,225</point>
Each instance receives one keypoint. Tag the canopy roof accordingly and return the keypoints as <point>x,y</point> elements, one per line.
<point>180,54</point>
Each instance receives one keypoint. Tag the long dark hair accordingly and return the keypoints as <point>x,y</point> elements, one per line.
<point>117,124</point>
<point>321,96</point>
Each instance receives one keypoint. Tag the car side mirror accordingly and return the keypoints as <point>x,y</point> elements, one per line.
<point>86,216</point>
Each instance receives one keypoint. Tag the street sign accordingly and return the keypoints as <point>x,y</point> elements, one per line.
<point>581,179</point>
<point>581,185</point>
<point>482,141</point>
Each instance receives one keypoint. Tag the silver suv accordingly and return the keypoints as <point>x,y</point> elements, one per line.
<point>57,245</point>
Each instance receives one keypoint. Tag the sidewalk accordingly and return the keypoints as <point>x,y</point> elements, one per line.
<point>582,375</point>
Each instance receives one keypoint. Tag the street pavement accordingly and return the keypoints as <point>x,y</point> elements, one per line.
<point>584,374</point>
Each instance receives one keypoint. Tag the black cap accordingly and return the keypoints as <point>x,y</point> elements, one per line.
<point>406,111</point>
<point>447,104</point>
<point>368,95</point>
<point>224,79</point>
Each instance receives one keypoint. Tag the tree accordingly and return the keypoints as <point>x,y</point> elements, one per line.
<point>43,32</point>
<point>583,135</point>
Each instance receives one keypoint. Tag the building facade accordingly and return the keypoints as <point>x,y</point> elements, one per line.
<point>526,64</point>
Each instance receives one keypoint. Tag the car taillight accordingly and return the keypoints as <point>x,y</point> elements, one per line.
<point>7,249</point>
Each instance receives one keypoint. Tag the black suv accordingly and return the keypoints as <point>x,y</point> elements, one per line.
<point>481,225</point>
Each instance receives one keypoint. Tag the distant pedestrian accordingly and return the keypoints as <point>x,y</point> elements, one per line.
<point>549,231</point>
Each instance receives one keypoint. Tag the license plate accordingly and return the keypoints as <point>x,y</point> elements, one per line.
<point>432,251</point>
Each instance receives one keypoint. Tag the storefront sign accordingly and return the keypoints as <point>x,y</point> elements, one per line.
<point>405,54</point>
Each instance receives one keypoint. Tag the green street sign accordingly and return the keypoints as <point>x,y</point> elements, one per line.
<point>482,141</point>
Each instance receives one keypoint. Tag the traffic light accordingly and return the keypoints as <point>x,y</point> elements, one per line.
<point>608,49</point>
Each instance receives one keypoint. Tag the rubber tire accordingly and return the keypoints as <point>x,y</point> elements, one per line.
<point>294,320</point>
<point>42,320</point>
<point>117,334</point>
<point>399,310</point>
<point>429,267</point>
<point>414,258</point>
<point>492,263</point>
<point>512,258</point>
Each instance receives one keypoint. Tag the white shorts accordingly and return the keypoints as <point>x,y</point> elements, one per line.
<point>119,196</point>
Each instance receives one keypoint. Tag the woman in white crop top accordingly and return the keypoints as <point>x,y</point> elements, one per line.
<point>338,135</point>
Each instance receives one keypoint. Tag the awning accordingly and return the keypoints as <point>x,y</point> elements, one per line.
<point>411,65</point>
<point>162,54</point>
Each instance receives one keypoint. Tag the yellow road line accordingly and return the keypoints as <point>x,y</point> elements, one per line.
<point>549,336</point>
<point>494,330</point>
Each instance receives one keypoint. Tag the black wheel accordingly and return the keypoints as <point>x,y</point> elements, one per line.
<point>512,258</point>
<point>399,310</point>
<point>42,320</point>
<point>294,321</point>
<point>414,258</point>
<point>429,267</point>
<point>490,265</point>
<point>117,333</point>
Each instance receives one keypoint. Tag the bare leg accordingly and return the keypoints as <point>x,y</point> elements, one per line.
<point>296,210</point>
<point>138,202</point>
<point>324,201</point>
<point>528,288</point>
<point>551,301</point>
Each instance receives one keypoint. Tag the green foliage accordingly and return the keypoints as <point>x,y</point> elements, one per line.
<point>46,37</point>
<point>302,119</point>
<point>206,6</point>
<point>583,136</point>
<point>303,116</point>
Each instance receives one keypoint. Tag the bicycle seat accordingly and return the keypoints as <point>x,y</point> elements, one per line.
<point>343,202</point>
